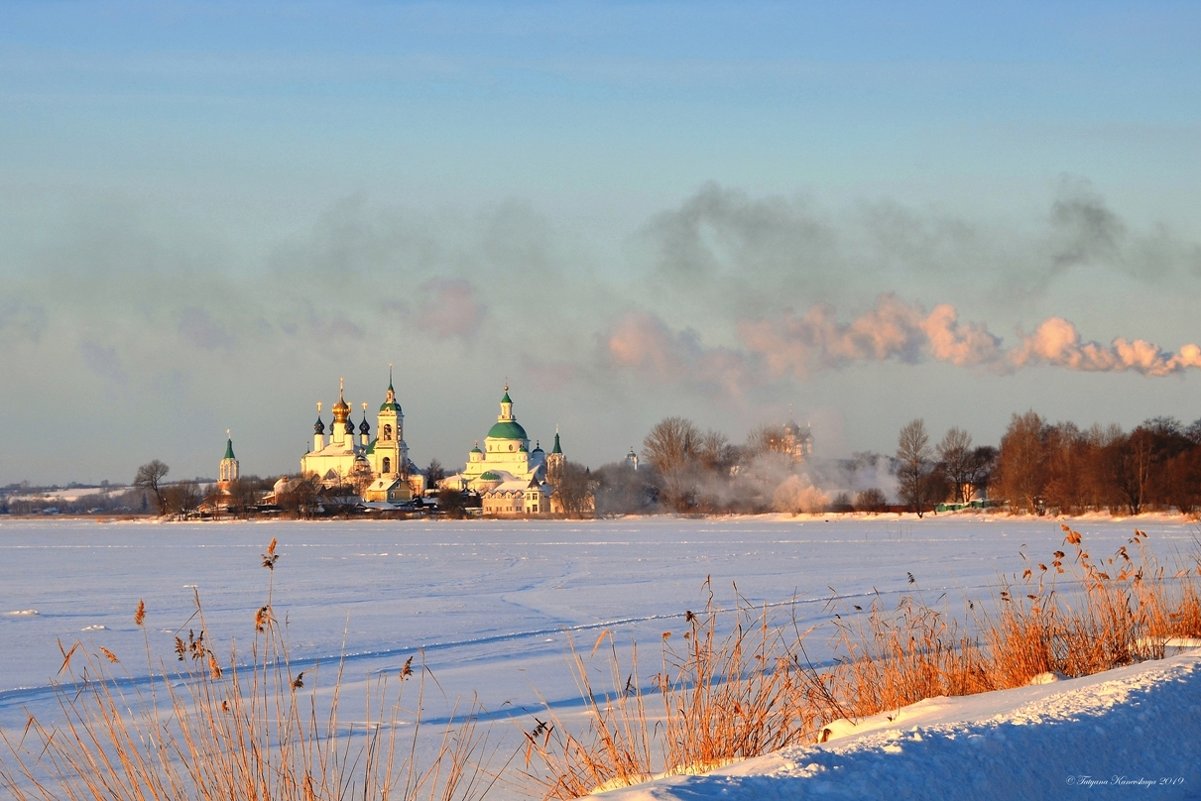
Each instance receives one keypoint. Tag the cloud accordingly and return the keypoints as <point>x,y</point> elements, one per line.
<point>794,345</point>
<point>641,342</point>
<point>1056,342</point>
<point>197,327</point>
<point>26,320</point>
<point>964,345</point>
<point>719,236</point>
<point>892,329</point>
<point>1084,229</point>
<point>104,361</point>
<point>450,308</point>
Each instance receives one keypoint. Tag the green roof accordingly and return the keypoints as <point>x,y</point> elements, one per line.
<point>393,406</point>
<point>557,448</point>
<point>229,449</point>
<point>491,475</point>
<point>510,429</point>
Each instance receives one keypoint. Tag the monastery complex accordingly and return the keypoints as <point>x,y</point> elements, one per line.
<point>509,477</point>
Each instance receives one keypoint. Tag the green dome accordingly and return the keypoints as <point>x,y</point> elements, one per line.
<point>509,429</point>
<point>491,475</point>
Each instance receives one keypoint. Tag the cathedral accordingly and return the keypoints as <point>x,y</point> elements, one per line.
<point>510,478</point>
<point>379,469</point>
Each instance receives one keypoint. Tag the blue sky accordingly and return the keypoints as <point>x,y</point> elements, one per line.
<point>853,214</point>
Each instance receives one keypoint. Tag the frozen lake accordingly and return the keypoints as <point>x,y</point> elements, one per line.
<point>492,605</point>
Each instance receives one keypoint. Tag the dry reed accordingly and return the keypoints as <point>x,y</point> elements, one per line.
<point>223,730</point>
<point>754,690</point>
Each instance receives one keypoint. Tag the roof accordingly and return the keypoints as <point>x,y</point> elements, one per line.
<point>508,429</point>
<point>229,449</point>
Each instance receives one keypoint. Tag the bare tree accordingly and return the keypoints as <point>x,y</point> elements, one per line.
<point>623,490</point>
<point>300,496</point>
<point>913,457</point>
<point>766,439</point>
<point>1022,461</point>
<point>870,500</point>
<point>714,452</point>
<point>672,444</point>
<point>181,498</point>
<point>955,453</point>
<point>983,466</point>
<point>576,491</point>
<point>150,478</point>
<point>671,449</point>
<point>434,473</point>
<point>1135,459</point>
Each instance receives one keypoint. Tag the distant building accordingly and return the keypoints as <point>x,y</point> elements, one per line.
<point>378,469</point>
<point>797,442</point>
<point>227,470</point>
<point>510,478</point>
<point>222,497</point>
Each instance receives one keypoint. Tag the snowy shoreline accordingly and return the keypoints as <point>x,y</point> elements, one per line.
<point>1108,735</point>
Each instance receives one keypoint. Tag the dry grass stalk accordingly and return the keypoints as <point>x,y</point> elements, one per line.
<point>753,691</point>
<point>719,699</point>
<point>244,732</point>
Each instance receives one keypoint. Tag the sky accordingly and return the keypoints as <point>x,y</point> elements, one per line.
<point>847,214</point>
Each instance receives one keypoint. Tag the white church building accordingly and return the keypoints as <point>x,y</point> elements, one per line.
<point>510,478</point>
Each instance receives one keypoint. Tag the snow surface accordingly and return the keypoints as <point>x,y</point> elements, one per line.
<point>1126,733</point>
<point>492,608</point>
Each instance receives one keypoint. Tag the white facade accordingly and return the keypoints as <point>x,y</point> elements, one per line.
<point>510,478</point>
<point>378,468</point>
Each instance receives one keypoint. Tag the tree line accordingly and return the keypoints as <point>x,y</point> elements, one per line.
<point>687,470</point>
<point>1038,467</point>
<point>1042,467</point>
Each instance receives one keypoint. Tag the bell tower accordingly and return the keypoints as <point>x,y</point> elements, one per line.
<point>391,455</point>
<point>227,471</point>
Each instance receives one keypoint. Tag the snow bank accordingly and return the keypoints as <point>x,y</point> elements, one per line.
<point>1134,732</point>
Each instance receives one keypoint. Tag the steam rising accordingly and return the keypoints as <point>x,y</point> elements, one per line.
<point>796,345</point>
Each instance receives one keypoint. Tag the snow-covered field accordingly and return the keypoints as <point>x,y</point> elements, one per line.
<point>492,607</point>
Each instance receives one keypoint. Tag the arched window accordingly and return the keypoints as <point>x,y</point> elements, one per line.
<point>387,432</point>
<point>387,464</point>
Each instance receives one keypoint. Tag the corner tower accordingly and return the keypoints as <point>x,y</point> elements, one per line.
<point>227,471</point>
<point>555,461</point>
